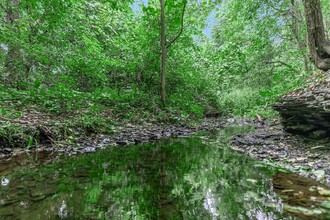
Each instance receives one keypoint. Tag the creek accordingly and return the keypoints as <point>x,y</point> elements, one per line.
<point>197,177</point>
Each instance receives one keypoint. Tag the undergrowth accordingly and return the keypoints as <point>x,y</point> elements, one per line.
<point>50,115</point>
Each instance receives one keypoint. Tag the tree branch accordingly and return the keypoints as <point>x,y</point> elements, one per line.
<point>181,30</point>
<point>281,63</point>
<point>14,120</point>
<point>140,70</point>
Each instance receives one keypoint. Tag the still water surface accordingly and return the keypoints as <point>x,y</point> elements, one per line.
<point>178,178</point>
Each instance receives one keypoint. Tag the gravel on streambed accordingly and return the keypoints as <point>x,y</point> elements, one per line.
<point>268,143</point>
<point>271,144</point>
<point>123,135</point>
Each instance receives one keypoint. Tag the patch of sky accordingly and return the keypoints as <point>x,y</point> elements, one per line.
<point>4,47</point>
<point>210,23</point>
<point>137,6</point>
<point>269,13</point>
<point>213,18</point>
<point>200,1</point>
<point>277,40</point>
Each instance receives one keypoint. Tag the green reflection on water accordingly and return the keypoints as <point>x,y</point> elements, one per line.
<point>177,178</point>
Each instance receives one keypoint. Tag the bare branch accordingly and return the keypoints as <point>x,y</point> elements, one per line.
<point>280,63</point>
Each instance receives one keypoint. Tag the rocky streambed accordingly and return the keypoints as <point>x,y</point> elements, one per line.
<point>268,142</point>
<point>125,134</point>
<point>271,144</point>
<point>262,140</point>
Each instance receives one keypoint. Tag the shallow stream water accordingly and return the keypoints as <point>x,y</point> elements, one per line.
<point>176,178</point>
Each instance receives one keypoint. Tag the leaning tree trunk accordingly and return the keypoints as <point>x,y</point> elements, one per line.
<point>318,45</point>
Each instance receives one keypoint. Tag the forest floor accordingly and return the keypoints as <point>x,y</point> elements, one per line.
<point>121,134</point>
<point>268,142</point>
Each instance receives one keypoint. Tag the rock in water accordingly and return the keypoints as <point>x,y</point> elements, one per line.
<point>306,111</point>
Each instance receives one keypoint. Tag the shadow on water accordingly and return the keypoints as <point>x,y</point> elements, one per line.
<point>177,178</point>
<point>303,197</point>
<point>27,160</point>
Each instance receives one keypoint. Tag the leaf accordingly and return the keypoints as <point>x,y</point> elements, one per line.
<point>30,141</point>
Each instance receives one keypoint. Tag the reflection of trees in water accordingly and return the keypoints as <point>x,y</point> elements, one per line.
<point>212,181</point>
<point>164,190</point>
<point>172,179</point>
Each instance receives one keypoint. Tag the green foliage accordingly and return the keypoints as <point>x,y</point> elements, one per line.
<point>81,53</point>
<point>239,100</point>
<point>100,59</point>
<point>255,56</point>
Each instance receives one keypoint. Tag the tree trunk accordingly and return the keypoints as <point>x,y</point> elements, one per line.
<point>13,62</point>
<point>319,47</point>
<point>150,61</point>
<point>163,198</point>
<point>301,41</point>
<point>163,45</point>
